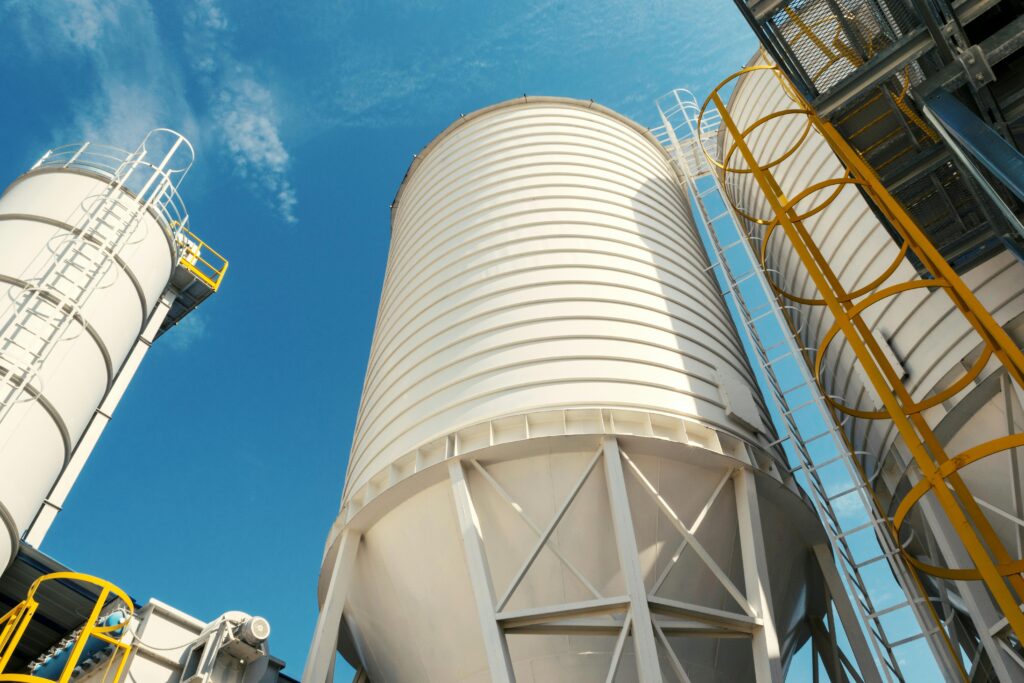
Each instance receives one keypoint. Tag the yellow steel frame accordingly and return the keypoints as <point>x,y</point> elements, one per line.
<point>206,263</point>
<point>939,472</point>
<point>15,622</point>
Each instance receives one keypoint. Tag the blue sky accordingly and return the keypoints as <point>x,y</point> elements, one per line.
<point>216,482</point>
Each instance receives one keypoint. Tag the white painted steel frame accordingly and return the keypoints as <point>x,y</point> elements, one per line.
<point>875,654</point>
<point>83,449</point>
<point>650,619</point>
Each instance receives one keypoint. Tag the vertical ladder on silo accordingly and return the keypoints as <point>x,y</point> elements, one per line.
<point>799,433</point>
<point>45,312</point>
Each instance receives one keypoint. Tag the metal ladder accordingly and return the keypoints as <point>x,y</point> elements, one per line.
<point>823,454</point>
<point>44,313</point>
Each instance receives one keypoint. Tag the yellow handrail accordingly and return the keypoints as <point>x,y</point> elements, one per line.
<point>14,624</point>
<point>199,258</point>
<point>939,472</point>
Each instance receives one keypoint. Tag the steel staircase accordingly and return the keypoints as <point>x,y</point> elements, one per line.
<point>869,67</point>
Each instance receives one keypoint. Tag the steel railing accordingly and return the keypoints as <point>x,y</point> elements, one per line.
<point>97,627</point>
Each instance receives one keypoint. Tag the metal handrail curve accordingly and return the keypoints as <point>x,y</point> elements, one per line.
<point>14,624</point>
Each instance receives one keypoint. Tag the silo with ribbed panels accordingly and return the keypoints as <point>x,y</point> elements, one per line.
<point>562,462</point>
<point>920,332</point>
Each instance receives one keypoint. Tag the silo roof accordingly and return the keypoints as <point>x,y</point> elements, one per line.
<point>519,102</point>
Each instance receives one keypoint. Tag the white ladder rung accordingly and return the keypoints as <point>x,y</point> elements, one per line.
<point>814,467</point>
<point>892,608</point>
<point>860,527</point>
<point>845,492</point>
<point>877,558</point>
<point>909,639</point>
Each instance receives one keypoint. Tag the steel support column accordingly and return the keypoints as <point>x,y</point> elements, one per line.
<point>767,654</point>
<point>847,614</point>
<point>322,651</point>
<point>647,665</point>
<point>83,449</point>
<point>498,661</point>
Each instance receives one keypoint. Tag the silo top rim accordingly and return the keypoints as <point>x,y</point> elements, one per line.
<point>519,102</point>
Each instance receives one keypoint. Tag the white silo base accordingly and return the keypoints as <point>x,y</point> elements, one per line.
<point>442,560</point>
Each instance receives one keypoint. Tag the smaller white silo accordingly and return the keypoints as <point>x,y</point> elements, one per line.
<point>89,240</point>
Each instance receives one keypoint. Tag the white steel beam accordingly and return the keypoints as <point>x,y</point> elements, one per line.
<point>647,665</point>
<point>847,615</point>
<point>677,666</point>
<point>723,578</point>
<point>322,651</point>
<point>693,529</point>
<point>542,541</point>
<point>767,654</point>
<point>569,610</point>
<point>54,501</point>
<point>507,497</point>
<point>498,662</point>
<point>706,615</point>
<point>613,667</point>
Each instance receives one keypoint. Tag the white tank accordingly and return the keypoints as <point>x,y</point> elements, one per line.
<point>545,290</point>
<point>919,330</point>
<point>83,261</point>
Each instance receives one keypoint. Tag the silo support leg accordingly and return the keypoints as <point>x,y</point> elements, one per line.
<point>647,664</point>
<point>844,608</point>
<point>322,651</point>
<point>767,655</point>
<point>498,661</point>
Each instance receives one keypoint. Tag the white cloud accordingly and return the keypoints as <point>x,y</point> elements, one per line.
<point>64,24</point>
<point>134,90</point>
<point>246,116</point>
<point>139,84</point>
<point>186,333</point>
<point>243,109</point>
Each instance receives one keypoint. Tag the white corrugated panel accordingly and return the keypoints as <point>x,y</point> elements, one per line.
<point>539,260</point>
<point>546,287</point>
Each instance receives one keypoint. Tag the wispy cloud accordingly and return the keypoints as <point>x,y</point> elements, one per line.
<point>502,50</point>
<point>134,89</point>
<point>243,109</point>
<point>186,333</point>
<point>139,85</point>
<point>74,24</point>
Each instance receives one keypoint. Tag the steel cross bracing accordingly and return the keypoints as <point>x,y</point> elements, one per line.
<point>44,314</point>
<point>830,471</point>
<point>640,620</point>
<point>649,619</point>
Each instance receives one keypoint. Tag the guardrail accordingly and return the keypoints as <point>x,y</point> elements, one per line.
<point>98,633</point>
<point>135,171</point>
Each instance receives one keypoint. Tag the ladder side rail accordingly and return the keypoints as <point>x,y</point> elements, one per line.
<point>930,626</point>
<point>822,503</point>
<point>879,642</point>
<point>107,245</point>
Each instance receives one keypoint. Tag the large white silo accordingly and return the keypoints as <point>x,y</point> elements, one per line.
<point>89,239</point>
<point>925,339</point>
<point>559,428</point>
